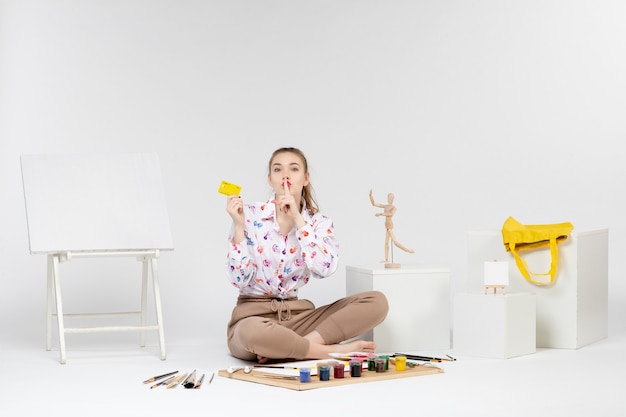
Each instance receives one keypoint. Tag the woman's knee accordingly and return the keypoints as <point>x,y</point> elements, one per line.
<point>379,303</point>
<point>246,330</point>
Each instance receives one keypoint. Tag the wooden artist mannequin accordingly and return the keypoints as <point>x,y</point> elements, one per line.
<point>388,211</point>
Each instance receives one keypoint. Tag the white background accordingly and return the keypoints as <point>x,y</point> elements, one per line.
<point>468,111</point>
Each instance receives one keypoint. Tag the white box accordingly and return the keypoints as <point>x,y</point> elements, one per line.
<point>573,311</point>
<point>494,326</point>
<point>419,306</point>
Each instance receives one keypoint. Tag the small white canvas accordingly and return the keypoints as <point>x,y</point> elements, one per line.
<point>496,273</point>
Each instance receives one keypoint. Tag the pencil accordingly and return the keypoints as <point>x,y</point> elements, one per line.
<point>155,378</point>
<point>199,383</point>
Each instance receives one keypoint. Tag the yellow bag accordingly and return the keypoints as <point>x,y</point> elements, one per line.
<point>518,237</point>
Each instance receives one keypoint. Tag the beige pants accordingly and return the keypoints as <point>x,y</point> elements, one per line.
<point>275,329</point>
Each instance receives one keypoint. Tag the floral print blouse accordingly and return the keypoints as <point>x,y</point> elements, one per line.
<point>269,263</point>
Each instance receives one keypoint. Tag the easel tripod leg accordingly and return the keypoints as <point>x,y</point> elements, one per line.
<point>144,298</point>
<point>157,304</point>
<point>59,305</point>
<point>49,302</point>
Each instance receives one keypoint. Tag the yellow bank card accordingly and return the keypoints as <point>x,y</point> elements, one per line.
<point>228,188</point>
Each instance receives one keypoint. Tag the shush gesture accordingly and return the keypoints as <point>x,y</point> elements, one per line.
<point>289,178</point>
<point>285,201</point>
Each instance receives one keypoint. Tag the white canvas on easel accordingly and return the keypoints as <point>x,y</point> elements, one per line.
<point>95,202</point>
<point>496,275</point>
<point>104,205</point>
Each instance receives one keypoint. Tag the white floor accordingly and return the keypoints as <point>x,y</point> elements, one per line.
<point>104,377</point>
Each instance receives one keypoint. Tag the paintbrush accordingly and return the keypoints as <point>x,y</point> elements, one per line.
<point>164,382</point>
<point>176,381</point>
<point>155,378</point>
<point>190,381</point>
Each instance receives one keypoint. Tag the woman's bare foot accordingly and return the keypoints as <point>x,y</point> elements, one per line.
<point>319,350</point>
<point>355,346</point>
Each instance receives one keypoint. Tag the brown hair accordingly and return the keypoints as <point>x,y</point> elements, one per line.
<point>308,194</point>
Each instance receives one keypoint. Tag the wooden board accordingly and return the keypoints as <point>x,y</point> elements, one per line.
<point>278,380</point>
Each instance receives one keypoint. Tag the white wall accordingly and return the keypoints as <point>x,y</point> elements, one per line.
<point>468,111</point>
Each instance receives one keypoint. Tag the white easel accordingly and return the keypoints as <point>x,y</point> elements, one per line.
<point>97,206</point>
<point>148,259</point>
